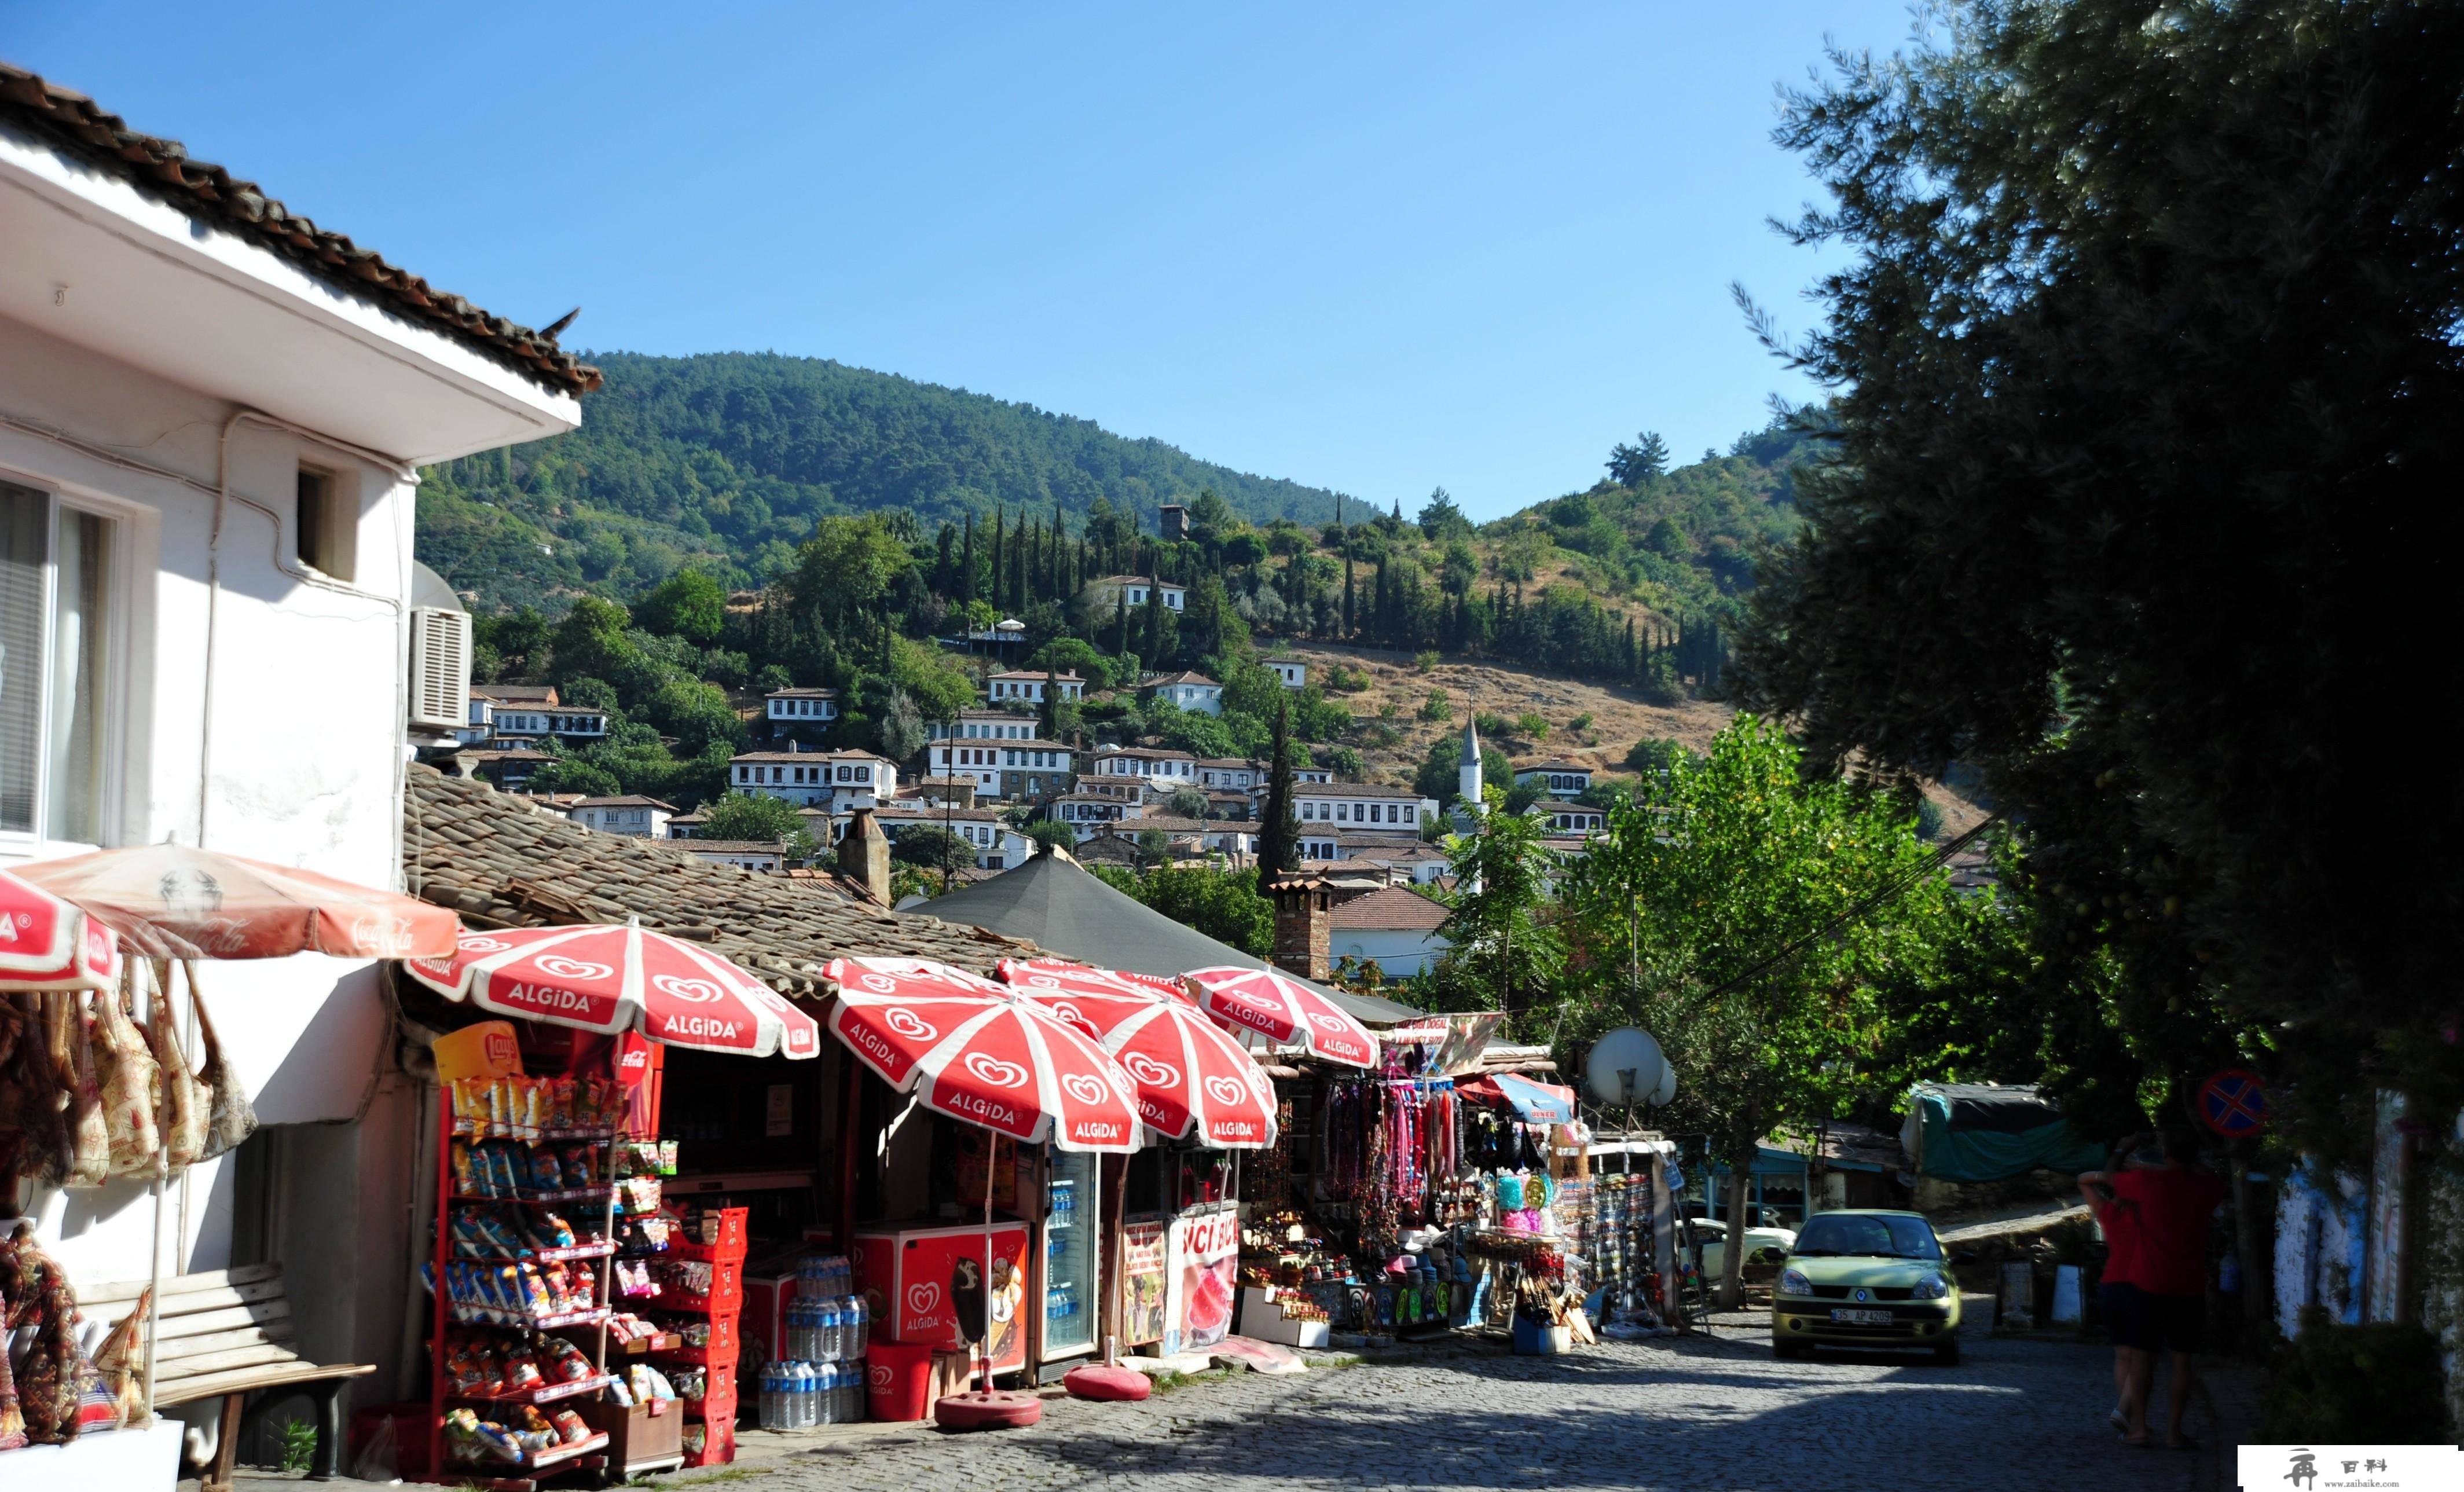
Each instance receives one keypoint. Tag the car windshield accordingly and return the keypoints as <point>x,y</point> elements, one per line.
<point>1835,1234</point>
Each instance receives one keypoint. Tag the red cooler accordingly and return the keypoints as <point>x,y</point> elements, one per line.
<point>898,1379</point>
<point>906,1276</point>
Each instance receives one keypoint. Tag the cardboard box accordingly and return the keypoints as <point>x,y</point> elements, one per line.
<point>636,1437</point>
<point>1264,1320</point>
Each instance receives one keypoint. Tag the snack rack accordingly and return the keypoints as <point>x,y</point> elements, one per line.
<point>578,1135</point>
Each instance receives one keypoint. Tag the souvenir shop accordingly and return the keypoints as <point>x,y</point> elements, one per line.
<point>1408,1201</point>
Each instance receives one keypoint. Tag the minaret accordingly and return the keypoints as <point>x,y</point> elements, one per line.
<point>1467,772</point>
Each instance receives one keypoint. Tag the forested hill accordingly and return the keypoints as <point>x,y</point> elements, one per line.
<point>725,460</point>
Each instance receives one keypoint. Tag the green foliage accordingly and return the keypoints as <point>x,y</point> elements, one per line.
<point>1504,955</point>
<point>1186,803</point>
<point>1440,772</point>
<point>1278,829</point>
<point>1633,466</point>
<point>1492,724</point>
<point>1050,833</point>
<point>593,641</point>
<point>1344,679</point>
<point>932,847</point>
<point>1580,723</point>
<point>698,715</point>
<point>576,774</point>
<point>1344,763</point>
<point>2165,565</point>
<point>1224,905</point>
<point>688,604</point>
<point>754,817</point>
<point>1437,707</point>
<point>1531,726</point>
<point>1441,519</point>
<point>1521,796</point>
<point>1655,758</point>
<point>2355,1386</point>
<point>1423,662</point>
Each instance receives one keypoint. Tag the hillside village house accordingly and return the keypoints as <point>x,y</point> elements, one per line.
<point>1025,687</point>
<point>838,780</point>
<point>1395,929</point>
<point>761,857</point>
<point>787,707</point>
<point>212,418</point>
<point>1291,671</point>
<point>1193,693</point>
<point>1231,774</point>
<point>633,814</point>
<point>1571,819</point>
<point>1009,770</point>
<point>573,724</point>
<point>982,725</point>
<point>1109,592</point>
<point>997,845</point>
<point>1401,810</point>
<point>1560,779</point>
<point>1160,770</point>
<point>1083,811</point>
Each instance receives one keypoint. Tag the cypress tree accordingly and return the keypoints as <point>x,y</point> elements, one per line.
<point>1152,654</point>
<point>1349,600</point>
<point>1278,833</point>
<point>1000,576</point>
<point>1120,622</point>
<point>967,565</point>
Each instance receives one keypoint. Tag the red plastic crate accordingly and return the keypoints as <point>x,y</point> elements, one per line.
<point>720,1448</point>
<point>726,1297</point>
<point>729,1244</point>
<point>722,1347</point>
<point>719,1405</point>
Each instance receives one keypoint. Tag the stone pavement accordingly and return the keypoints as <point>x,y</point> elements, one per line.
<point>1704,1414</point>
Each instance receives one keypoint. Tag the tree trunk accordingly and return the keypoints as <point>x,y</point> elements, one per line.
<point>1742,1149</point>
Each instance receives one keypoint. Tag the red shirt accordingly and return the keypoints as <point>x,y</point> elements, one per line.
<point>2120,1220</point>
<point>2173,1208</point>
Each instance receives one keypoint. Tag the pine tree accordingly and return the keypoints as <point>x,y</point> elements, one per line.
<point>1278,831</point>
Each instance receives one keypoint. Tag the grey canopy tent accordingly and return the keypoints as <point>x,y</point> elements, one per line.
<point>1055,902</point>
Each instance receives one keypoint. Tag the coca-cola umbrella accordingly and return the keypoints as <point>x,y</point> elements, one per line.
<point>1192,1079</point>
<point>177,901</point>
<point>1282,1009</point>
<point>606,977</point>
<point>49,944</point>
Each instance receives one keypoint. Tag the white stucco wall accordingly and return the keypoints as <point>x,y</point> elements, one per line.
<point>1400,952</point>
<point>2320,1254</point>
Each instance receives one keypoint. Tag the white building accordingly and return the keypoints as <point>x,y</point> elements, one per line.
<point>1393,928</point>
<point>1361,805</point>
<point>997,845</point>
<point>1007,769</point>
<point>1231,774</point>
<point>1083,811</point>
<point>1162,770</point>
<point>632,814</point>
<point>212,415</point>
<point>982,725</point>
<point>1291,671</point>
<point>1107,591</point>
<point>757,856</point>
<point>1561,779</point>
<point>838,780</point>
<point>1193,693</point>
<point>575,725</point>
<point>1561,819</point>
<point>1025,687</point>
<point>800,707</point>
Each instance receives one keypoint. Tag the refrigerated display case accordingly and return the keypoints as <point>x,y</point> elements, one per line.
<point>1071,1230</point>
<point>910,1273</point>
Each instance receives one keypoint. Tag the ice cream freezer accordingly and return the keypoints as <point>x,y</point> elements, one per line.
<point>918,1278</point>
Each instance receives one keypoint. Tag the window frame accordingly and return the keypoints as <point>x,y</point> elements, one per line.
<point>120,620</point>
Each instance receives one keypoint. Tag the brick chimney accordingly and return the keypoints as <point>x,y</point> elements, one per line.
<point>864,854</point>
<point>1304,926</point>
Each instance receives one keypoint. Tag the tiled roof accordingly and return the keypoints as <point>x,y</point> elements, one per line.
<point>1552,764</point>
<point>801,694</point>
<point>1356,790</point>
<point>500,862</point>
<point>810,756</point>
<point>1390,908</point>
<point>628,800</point>
<point>1184,676</point>
<point>1069,676</point>
<point>703,847</point>
<point>1164,822</point>
<point>207,192</point>
<point>1136,579</point>
<point>541,694</point>
<point>1144,754</point>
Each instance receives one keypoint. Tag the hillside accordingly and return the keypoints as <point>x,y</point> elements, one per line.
<point>724,461</point>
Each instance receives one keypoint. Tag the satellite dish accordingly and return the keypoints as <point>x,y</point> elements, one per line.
<point>1626,1068</point>
<point>1667,1089</point>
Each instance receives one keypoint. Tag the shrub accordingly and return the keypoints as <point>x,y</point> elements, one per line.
<point>1437,707</point>
<point>2355,1385</point>
<point>1490,723</point>
<point>1424,662</point>
<point>1532,726</point>
<point>1580,723</point>
<point>1346,680</point>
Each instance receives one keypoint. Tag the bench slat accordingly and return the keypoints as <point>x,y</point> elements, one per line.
<point>217,1341</point>
<point>222,1298</point>
<point>262,1313</point>
<point>181,1285</point>
<point>239,1380</point>
<point>237,1358</point>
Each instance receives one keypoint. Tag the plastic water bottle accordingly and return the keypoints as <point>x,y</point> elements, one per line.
<point>825,1333</point>
<point>855,1326</point>
<point>834,1398</point>
<point>800,1330</point>
<point>850,1393</point>
<point>774,1408</point>
<point>801,1389</point>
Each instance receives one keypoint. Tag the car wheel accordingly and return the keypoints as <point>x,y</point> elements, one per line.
<point>1946,1354</point>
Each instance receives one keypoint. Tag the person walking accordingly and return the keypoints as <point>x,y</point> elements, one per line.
<point>2117,1297</point>
<point>2175,1199</point>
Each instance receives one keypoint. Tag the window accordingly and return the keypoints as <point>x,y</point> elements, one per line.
<point>324,525</point>
<point>56,598</point>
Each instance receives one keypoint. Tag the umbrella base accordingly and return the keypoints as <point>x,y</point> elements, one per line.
<point>1096,1381</point>
<point>988,1410</point>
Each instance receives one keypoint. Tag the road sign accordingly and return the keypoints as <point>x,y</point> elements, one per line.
<point>2234,1104</point>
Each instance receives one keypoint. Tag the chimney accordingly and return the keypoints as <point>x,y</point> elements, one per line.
<point>1304,926</point>
<point>864,854</point>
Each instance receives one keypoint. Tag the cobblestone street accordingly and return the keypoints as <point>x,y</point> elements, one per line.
<point>1673,1413</point>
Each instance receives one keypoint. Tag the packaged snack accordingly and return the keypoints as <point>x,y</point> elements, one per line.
<point>523,1373</point>
<point>560,1288</point>
<point>564,1362</point>
<point>465,1181</point>
<point>620,1395</point>
<point>690,1384</point>
<point>569,1426</point>
<point>546,1176</point>
<point>579,1168</point>
<point>534,1109</point>
<point>563,1113</point>
<point>488,1372</point>
<point>497,1235</point>
<point>550,1231</point>
<point>462,1372</point>
<point>466,1239</point>
<point>524,1285</point>
<point>697,1334</point>
<point>502,1181</point>
<point>500,1106</point>
<point>696,1436</point>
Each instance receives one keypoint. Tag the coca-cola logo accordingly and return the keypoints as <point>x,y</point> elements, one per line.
<point>384,937</point>
<point>1085,1089</point>
<point>991,1070</point>
<point>1226,1090</point>
<point>692,992</point>
<point>556,966</point>
<point>923,1297</point>
<point>1150,1072</point>
<point>909,1024</point>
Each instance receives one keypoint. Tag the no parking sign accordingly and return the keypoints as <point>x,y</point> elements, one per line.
<point>2234,1104</point>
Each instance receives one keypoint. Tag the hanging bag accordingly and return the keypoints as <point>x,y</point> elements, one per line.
<point>186,1105</point>
<point>233,1119</point>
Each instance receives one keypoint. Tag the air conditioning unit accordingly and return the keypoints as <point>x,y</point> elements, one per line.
<point>440,668</point>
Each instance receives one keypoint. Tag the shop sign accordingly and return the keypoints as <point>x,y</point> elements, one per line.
<point>1201,1255</point>
<point>1142,1284</point>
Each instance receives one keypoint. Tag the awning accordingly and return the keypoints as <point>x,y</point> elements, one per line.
<point>1538,1103</point>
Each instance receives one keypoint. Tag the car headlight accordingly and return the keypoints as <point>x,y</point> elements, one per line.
<point>1793,1282</point>
<point>1932,1288</point>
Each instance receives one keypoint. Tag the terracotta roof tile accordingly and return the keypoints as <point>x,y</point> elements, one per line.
<point>500,862</point>
<point>210,193</point>
<point>1392,908</point>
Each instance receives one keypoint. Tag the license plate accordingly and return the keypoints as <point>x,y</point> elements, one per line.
<point>1863,1318</point>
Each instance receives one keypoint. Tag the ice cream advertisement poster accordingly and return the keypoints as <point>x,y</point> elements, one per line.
<point>1201,1255</point>
<point>1142,1278</point>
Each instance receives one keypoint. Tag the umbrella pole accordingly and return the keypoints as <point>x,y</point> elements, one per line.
<point>992,1159</point>
<point>154,1254</point>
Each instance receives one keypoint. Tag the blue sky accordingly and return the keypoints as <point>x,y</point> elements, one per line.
<point>1375,249</point>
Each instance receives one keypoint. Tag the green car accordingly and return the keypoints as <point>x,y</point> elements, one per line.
<point>1866,1278</point>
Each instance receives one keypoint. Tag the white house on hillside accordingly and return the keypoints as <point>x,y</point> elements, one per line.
<point>837,780</point>
<point>800,707</point>
<point>982,725</point>
<point>1360,806</point>
<point>1561,779</point>
<point>632,814</point>
<point>1291,671</point>
<point>212,417</point>
<point>1193,693</point>
<point>1108,591</point>
<point>1025,687</point>
<point>1162,770</point>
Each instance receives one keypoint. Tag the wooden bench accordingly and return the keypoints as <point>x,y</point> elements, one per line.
<point>227,1334</point>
